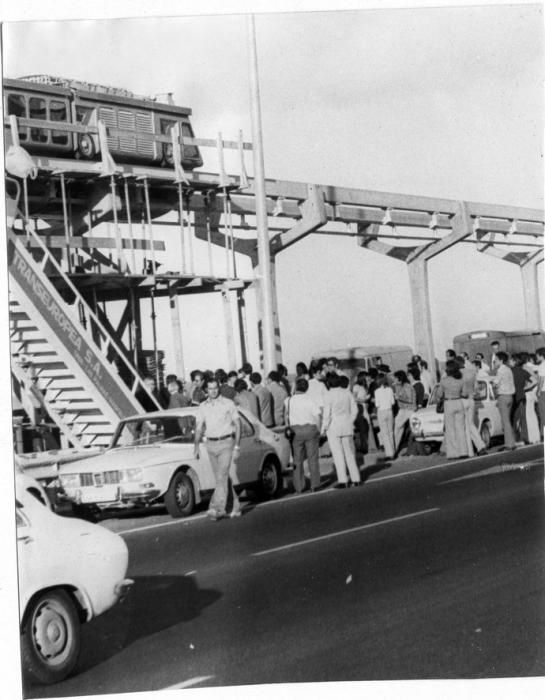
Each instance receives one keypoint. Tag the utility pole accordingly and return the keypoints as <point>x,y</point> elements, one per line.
<point>264,286</point>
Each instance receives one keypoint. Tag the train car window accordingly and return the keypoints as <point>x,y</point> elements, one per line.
<point>17,106</point>
<point>83,114</point>
<point>37,110</point>
<point>190,152</point>
<point>58,113</point>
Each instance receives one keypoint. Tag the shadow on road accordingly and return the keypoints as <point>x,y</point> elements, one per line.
<point>155,603</point>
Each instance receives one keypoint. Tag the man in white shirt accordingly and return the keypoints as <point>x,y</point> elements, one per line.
<point>219,422</point>
<point>317,389</point>
<point>384,403</point>
<point>279,395</point>
<point>303,416</point>
<point>505,391</point>
<point>340,411</point>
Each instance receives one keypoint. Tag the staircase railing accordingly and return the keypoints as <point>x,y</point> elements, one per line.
<point>85,319</point>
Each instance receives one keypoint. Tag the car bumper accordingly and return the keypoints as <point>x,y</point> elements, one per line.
<point>111,497</point>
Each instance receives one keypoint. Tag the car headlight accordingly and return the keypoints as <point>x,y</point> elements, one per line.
<point>416,424</point>
<point>133,474</point>
<point>69,481</point>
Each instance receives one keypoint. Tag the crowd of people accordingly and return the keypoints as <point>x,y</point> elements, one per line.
<point>319,404</point>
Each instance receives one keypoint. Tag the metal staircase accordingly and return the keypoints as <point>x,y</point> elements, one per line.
<point>62,356</point>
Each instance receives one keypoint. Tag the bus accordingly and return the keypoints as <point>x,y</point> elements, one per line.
<point>510,342</point>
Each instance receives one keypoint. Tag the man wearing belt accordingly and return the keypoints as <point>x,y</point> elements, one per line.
<point>219,422</point>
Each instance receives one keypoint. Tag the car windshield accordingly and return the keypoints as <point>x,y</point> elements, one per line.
<point>147,431</point>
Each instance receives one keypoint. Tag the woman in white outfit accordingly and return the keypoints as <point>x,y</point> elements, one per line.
<point>340,411</point>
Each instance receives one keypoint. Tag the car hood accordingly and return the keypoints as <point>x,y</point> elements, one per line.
<point>130,457</point>
<point>428,415</point>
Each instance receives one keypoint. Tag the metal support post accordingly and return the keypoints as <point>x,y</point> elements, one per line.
<point>129,223</point>
<point>149,227</point>
<point>176,331</point>
<point>182,226</point>
<point>229,334</point>
<point>153,317</point>
<point>65,221</point>
<point>264,282</point>
<point>242,325</point>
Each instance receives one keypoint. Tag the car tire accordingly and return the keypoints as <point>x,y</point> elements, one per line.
<point>50,639</point>
<point>486,436</point>
<point>427,448</point>
<point>270,480</point>
<point>180,497</point>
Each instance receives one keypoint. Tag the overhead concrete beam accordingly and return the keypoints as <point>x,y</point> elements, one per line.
<point>313,215</point>
<point>461,228</point>
<point>367,238</point>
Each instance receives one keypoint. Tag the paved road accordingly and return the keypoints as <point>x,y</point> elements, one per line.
<point>426,571</point>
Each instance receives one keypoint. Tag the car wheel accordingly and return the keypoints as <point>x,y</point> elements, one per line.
<point>427,448</point>
<point>180,497</point>
<point>50,638</point>
<point>485,434</point>
<point>269,479</point>
<point>86,147</point>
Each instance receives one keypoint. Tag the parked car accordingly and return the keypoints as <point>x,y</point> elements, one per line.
<point>428,426</point>
<point>151,460</point>
<point>69,572</point>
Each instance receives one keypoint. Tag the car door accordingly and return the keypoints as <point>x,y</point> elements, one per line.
<point>251,453</point>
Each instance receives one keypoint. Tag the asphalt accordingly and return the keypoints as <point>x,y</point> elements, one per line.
<point>428,570</point>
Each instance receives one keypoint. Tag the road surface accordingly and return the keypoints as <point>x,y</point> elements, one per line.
<point>425,571</point>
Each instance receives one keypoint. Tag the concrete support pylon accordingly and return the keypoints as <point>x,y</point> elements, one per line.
<point>420,296</point>
<point>531,292</point>
<point>417,265</point>
<point>259,309</point>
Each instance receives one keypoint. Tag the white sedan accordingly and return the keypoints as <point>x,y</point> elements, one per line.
<point>428,426</point>
<point>151,459</point>
<point>69,572</point>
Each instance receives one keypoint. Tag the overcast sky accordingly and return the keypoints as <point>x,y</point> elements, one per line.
<point>444,102</point>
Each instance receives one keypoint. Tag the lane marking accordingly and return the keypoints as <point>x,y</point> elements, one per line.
<point>165,524</point>
<point>497,469</point>
<point>344,532</point>
<point>288,499</point>
<point>188,683</point>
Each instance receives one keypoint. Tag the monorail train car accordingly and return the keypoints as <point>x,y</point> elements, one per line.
<point>137,128</point>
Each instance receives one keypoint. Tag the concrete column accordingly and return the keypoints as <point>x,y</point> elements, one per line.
<point>420,295</point>
<point>276,323</point>
<point>276,320</point>
<point>530,289</point>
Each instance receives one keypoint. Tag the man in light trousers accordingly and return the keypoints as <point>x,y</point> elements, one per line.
<point>219,422</point>
<point>469,378</point>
